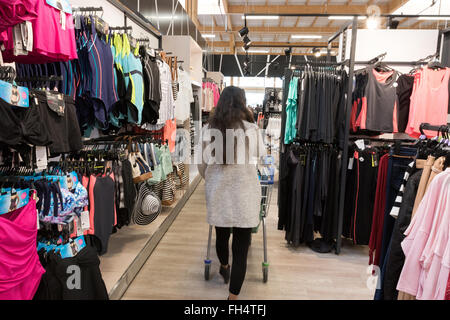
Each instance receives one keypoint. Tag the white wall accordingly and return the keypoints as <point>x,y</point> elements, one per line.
<point>400,45</point>
<point>115,18</point>
<point>187,50</point>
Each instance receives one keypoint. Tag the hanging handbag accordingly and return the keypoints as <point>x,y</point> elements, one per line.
<point>181,178</point>
<point>168,190</point>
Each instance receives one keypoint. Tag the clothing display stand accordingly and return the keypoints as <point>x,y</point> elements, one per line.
<point>351,66</point>
<point>350,63</point>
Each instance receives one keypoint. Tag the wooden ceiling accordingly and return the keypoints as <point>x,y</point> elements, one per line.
<point>226,26</point>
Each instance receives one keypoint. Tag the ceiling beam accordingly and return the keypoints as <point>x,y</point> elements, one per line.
<point>274,29</point>
<point>232,43</point>
<point>194,15</point>
<point>275,53</point>
<point>306,9</point>
<point>260,44</point>
<point>393,5</point>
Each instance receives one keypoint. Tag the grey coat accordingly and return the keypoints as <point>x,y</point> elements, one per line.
<point>233,192</point>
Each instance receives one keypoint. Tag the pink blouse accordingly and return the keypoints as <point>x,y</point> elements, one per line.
<point>427,245</point>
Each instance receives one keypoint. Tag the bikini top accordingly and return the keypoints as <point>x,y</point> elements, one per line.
<point>22,125</point>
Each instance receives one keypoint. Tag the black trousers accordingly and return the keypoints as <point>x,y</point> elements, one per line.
<point>240,244</point>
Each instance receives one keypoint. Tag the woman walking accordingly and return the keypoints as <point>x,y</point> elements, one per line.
<point>232,146</point>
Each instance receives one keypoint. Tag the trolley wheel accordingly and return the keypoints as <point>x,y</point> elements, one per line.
<point>207,271</point>
<point>265,270</point>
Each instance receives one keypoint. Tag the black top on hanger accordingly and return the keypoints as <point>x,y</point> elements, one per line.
<point>7,73</point>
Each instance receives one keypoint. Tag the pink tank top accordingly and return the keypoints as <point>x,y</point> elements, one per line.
<point>20,269</point>
<point>429,101</point>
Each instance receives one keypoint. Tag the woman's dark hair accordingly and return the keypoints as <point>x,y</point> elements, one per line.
<point>230,112</point>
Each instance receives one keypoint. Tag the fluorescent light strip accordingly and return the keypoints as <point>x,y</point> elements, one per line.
<point>261,17</point>
<point>345,18</point>
<point>258,51</point>
<point>433,18</point>
<point>208,35</point>
<point>163,17</point>
<point>305,36</point>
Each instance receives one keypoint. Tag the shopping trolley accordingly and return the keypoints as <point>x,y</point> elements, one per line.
<point>266,182</point>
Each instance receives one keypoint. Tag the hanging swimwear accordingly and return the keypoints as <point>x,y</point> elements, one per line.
<point>132,68</point>
<point>103,90</point>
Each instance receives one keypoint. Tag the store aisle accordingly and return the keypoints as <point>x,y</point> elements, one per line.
<point>175,269</point>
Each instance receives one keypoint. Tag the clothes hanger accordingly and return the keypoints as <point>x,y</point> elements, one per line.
<point>435,64</point>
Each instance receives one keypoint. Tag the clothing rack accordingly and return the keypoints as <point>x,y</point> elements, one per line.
<point>121,28</point>
<point>208,80</point>
<point>351,65</point>
<point>88,9</point>
<point>125,137</point>
<point>380,58</point>
<point>343,178</point>
<point>395,63</point>
<point>137,18</point>
<point>381,139</point>
<point>427,126</point>
<point>39,78</point>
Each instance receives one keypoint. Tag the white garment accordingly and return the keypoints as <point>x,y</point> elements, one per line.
<point>274,128</point>
<point>185,97</point>
<point>167,106</point>
<point>233,191</point>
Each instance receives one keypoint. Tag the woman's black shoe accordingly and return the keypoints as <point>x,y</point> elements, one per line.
<point>225,272</point>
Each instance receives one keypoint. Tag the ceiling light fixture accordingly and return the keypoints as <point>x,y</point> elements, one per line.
<point>306,36</point>
<point>316,52</point>
<point>288,52</point>
<point>208,35</point>
<point>258,51</point>
<point>392,24</point>
<point>261,17</point>
<point>345,17</point>
<point>433,18</point>
<point>243,31</point>
<point>373,23</point>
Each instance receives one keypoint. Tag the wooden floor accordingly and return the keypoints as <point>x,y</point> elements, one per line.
<point>175,270</point>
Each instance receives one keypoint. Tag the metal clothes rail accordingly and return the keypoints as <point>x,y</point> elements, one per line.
<point>138,19</point>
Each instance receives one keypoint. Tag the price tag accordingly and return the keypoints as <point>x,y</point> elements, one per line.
<point>27,35</point>
<point>41,157</point>
<point>56,102</point>
<point>62,19</point>
<point>78,22</point>
<point>84,219</point>
<point>350,163</point>
<point>360,144</point>
<point>79,227</point>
